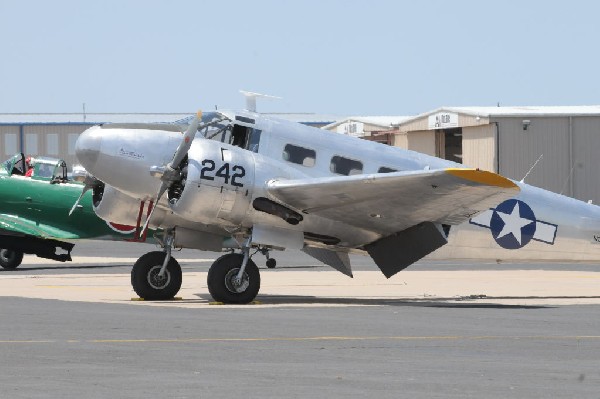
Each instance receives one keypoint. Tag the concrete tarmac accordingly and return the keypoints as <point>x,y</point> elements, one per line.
<point>438,329</point>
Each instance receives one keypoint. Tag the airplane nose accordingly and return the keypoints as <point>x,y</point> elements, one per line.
<point>87,148</point>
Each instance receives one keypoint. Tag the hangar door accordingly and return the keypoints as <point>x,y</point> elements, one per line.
<point>448,144</point>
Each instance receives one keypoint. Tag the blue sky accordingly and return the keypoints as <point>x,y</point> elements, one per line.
<point>339,57</point>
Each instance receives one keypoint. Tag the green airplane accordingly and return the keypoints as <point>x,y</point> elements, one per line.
<point>35,211</point>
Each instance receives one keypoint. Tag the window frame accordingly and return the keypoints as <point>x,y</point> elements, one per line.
<point>362,165</point>
<point>306,149</point>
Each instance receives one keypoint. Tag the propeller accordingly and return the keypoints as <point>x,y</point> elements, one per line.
<point>172,172</point>
<point>89,181</point>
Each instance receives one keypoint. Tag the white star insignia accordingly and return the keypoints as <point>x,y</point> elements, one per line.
<point>513,223</point>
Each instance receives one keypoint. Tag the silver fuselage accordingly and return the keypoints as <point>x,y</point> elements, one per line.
<point>537,224</point>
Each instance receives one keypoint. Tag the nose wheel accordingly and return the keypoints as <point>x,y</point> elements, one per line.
<point>225,283</point>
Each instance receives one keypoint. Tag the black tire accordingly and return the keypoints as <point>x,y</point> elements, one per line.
<point>220,277</point>
<point>10,259</point>
<point>145,280</point>
<point>271,263</point>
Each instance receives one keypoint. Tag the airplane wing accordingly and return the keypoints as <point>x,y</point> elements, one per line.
<point>402,207</point>
<point>18,226</point>
<point>27,236</point>
<point>391,202</point>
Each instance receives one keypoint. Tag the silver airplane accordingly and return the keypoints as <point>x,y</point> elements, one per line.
<point>246,182</point>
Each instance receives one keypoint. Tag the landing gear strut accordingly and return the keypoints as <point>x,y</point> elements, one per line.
<point>10,259</point>
<point>156,275</point>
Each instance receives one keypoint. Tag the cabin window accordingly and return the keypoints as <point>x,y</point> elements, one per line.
<point>299,155</point>
<point>385,169</point>
<point>345,166</point>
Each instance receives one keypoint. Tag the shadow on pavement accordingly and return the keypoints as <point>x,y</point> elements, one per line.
<point>453,302</point>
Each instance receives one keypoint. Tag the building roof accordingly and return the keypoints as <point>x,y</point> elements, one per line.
<point>96,118</point>
<point>562,110</point>
<point>382,121</point>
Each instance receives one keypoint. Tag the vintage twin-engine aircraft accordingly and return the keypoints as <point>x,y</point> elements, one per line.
<point>37,214</point>
<point>244,181</point>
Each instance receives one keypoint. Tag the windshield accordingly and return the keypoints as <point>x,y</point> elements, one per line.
<point>215,124</point>
<point>15,165</point>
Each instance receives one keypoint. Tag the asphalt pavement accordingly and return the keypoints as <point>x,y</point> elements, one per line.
<point>336,348</point>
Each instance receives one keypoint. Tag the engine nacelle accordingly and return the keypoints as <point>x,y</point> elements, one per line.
<point>217,186</point>
<point>112,205</point>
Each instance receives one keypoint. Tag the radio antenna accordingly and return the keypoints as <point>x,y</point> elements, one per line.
<point>530,169</point>
<point>567,181</point>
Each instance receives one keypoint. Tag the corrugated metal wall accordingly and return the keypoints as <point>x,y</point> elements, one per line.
<point>10,141</point>
<point>479,147</point>
<point>57,141</point>
<point>400,140</point>
<point>422,141</point>
<point>585,159</point>
<point>519,149</point>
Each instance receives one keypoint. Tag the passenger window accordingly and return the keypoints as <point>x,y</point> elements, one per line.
<point>299,155</point>
<point>385,169</point>
<point>345,166</point>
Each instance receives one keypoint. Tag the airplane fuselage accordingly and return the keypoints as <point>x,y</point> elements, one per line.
<point>226,176</point>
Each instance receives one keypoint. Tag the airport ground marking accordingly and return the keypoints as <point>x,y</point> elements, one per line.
<point>313,339</point>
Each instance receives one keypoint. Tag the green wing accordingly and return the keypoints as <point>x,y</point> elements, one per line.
<point>18,226</point>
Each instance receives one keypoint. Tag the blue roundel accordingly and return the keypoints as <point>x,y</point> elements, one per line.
<point>513,224</point>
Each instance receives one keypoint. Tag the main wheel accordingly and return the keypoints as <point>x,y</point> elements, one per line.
<point>146,281</point>
<point>222,275</point>
<point>10,259</point>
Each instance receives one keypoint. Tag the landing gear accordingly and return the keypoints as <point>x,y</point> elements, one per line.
<point>271,263</point>
<point>10,259</point>
<point>225,283</point>
<point>147,280</point>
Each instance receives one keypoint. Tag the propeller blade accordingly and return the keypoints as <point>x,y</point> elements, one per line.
<point>171,172</point>
<point>85,188</point>
<point>163,187</point>
<point>89,181</point>
<point>186,143</point>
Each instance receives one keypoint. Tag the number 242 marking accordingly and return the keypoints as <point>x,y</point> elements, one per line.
<point>209,166</point>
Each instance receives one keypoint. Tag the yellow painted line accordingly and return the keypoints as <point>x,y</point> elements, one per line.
<point>138,299</point>
<point>27,342</point>
<point>310,339</point>
<point>80,287</point>
<point>482,177</point>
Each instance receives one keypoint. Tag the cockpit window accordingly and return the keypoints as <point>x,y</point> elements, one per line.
<point>15,165</point>
<point>385,169</point>
<point>345,166</point>
<point>299,155</point>
<point>254,140</point>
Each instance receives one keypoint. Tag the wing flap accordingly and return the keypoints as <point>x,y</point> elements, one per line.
<point>392,202</point>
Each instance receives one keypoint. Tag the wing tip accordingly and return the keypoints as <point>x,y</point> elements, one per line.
<point>483,177</point>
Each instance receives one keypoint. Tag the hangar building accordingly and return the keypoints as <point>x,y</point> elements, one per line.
<point>363,126</point>
<point>509,140</point>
